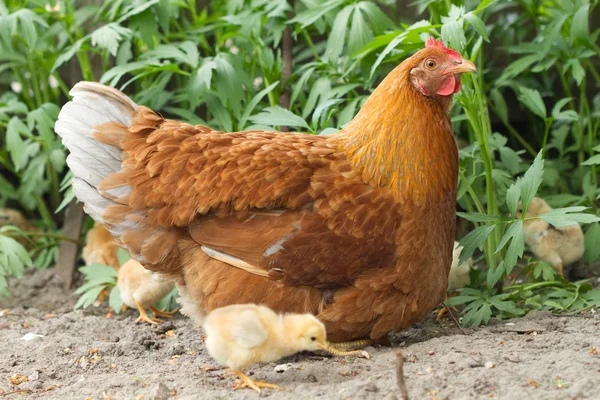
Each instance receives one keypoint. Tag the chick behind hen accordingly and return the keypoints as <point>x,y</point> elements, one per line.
<point>141,289</point>
<point>558,246</point>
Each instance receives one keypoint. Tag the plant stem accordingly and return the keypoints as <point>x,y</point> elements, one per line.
<point>548,124</point>
<point>43,234</point>
<point>471,192</point>
<point>514,132</point>
<point>44,212</point>
<point>310,43</point>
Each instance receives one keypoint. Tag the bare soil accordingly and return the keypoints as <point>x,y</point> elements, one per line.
<point>84,354</point>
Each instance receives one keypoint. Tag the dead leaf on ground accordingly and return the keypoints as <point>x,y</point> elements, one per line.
<point>17,379</point>
<point>534,383</point>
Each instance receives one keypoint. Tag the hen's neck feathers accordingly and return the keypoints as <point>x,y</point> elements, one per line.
<point>403,140</point>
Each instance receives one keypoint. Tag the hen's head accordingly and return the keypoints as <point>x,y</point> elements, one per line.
<point>436,70</point>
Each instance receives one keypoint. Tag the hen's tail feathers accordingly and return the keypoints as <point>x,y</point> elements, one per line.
<point>92,126</point>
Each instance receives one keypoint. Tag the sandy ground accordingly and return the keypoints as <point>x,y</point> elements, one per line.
<point>83,354</point>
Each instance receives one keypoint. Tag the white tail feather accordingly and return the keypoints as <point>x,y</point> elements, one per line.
<point>91,161</point>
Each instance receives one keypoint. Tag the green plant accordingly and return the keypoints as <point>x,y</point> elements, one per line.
<point>526,123</point>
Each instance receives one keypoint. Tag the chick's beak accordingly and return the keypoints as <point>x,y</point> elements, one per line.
<point>464,66</point>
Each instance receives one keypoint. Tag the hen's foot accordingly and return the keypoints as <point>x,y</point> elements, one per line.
<point>163,313</point>
<point>144,316</point>
<point>248,382</point>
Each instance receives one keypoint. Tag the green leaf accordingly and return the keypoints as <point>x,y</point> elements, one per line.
<point>69,53</point>
<point>478,316</point>
<point>311,15</point>
<point>253,103</point>
<point>499,104</point>
<point>580,28</point>
<point>568,216</point>
<point>23,21</point>
<point>277,116</point>
<point>474,240</point>
<point>122,256</point>
<point>109,36</point>
<point>569,115</point>
<point>185,52</point>
<point>454,35</point>
<point>458,300</point>
<point>337,37</point>
<point>379,21</point>
<point>135,9</point>
<point>576,70</point>
<point>360,33</point>
<point>15,144</point>
<point>478,217</point>
<point>515,234</point>
<point>516,67</point>
<point>512,197</point>
<point>592,243</point>
<point>478,25</point>
<point>544,270</point>
<point>593,160</point>
<point>114,299</point>
<point>532,180</point>
<point>533,101</point>
<point>89,297</point>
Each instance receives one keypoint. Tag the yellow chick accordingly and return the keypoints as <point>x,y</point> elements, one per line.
<point>240,335</point>
<point>100,247</point>
<point>140,289</point>
<point>459,276</point>
<point>9,216</point>
<point>557,246</point>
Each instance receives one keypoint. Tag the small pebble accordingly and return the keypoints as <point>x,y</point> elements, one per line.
<point>281,368</point>
<point>489,364</point>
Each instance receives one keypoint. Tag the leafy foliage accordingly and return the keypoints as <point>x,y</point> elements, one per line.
<point>526,124</point>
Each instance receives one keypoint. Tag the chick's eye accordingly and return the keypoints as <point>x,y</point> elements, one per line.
<point>313,338</point>
<point>430,64</point>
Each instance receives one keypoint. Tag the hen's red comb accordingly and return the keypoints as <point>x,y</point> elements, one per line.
<point>432,43</point>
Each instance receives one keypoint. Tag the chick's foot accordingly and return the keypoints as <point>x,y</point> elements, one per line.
<point>144,316</point>
<point>163,313</point>
<point>252,384</point>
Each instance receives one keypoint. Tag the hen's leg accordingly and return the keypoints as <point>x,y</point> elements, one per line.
<point>144,316</point>
<point>162,313</point>
<point>252,384</point>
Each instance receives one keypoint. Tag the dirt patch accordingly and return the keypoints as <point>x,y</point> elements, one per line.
<point>83,354</point>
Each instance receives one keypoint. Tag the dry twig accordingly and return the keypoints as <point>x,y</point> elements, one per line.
<point>400,376</point>
<point>454,318</point>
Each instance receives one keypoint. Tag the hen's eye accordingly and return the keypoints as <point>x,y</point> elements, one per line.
<point>430,64</point>
<point>313,338</point>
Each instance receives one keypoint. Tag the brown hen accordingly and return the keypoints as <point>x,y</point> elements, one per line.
<point>356,228</point>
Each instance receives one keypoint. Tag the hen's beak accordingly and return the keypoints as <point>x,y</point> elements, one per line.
<point>464,66</point>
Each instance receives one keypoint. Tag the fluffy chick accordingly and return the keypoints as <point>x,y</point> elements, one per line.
<point>8,216</point>
<point>459,276</point>
<point>141,288</point>
<point>557,246</point>
<point>238,336</point>
<point>100,247</point>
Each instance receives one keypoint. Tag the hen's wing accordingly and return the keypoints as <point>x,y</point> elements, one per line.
<point>286,206</point>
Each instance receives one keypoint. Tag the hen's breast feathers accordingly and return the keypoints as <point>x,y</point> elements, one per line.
<point>285,204</point>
